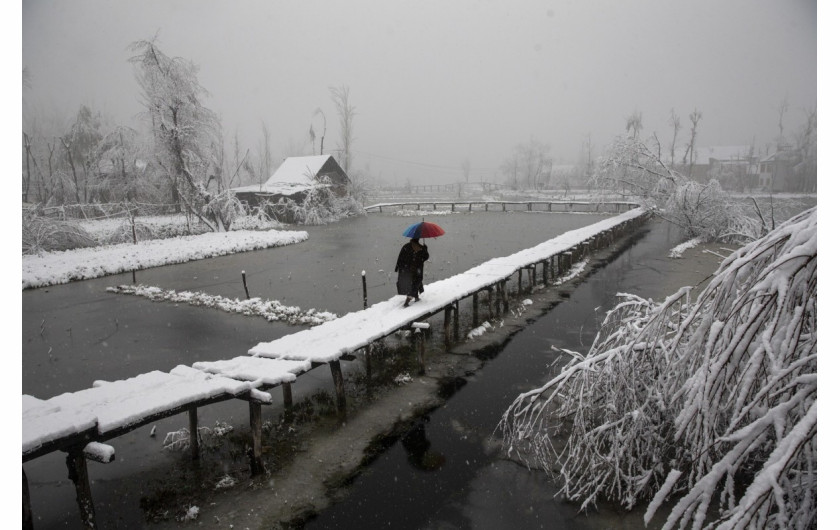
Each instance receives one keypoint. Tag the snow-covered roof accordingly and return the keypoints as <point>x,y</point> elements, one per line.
<point>295,174</point>
<point>782,154</point>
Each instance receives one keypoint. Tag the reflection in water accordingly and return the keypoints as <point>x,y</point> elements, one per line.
<point>478,487</point>
<point>417,446</point>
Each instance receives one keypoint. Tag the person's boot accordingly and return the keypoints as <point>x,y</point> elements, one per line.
<point>407,299</point>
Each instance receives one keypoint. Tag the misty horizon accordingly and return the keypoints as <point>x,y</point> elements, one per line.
<point>438,84</point>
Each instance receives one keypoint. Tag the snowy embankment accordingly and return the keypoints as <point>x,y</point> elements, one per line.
<point>52,268</point>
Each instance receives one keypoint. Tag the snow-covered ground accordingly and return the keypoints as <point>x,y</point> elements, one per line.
<point>168,225</point>
<point>51,268</point>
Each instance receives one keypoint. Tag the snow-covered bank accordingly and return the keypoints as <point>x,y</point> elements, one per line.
<point>53,268</point>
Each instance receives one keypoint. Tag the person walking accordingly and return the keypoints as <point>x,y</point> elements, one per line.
<point>409,269</point>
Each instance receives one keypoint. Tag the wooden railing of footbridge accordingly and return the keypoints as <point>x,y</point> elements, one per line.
<point>504,206</point>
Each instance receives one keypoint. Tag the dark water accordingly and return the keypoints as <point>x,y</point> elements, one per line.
<point>75,334</point>
<point>446,473</point>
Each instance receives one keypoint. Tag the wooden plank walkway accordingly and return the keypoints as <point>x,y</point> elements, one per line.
<point>548,206</point>
<point>79,422</point>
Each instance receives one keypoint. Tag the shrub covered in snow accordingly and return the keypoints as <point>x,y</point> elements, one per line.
<point>45,234</point>
<point>637,170</point>
<point>714,399</point>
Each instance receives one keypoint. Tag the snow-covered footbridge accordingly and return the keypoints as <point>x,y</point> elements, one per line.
<point>530,206</point>
<point>79,423</point>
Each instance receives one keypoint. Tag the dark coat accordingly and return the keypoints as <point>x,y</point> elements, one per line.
<point>410,269</point>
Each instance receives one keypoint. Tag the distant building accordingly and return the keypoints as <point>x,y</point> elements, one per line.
<point>296,177</point>
<point>786,171</point>
<point>735,167</point>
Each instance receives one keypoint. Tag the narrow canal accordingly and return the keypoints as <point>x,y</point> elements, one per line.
<point>447,470</point>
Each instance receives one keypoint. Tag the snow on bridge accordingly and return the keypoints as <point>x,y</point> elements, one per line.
<point>79,422</point>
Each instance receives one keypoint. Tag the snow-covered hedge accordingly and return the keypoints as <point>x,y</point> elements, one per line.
<point>707,401</point>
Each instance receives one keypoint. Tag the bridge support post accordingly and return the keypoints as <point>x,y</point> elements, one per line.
<point>194,449</point>
<point>78,473</point>
<point>27,505</point>
<point>475,310</point>
<point>288,406</point>
<point>457,319</point>
<point>567,265</point>
<point>505,301</point>
<point>420,329</point>
<point>255,413</point>
<point>338,380</point>
<point>368,361</point>
<point>447,325</point>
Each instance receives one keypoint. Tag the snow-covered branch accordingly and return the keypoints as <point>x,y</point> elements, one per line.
<point>700,400</point>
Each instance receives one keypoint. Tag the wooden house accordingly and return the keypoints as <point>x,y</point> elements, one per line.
<point>297,177</point>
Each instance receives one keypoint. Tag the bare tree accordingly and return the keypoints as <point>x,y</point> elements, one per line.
<point>465,167</point>
<point>185,132</point>
<point>531,162</point>
<point>806,147</point>
<point>265,163</point>
<point>80,145</point>
<point>633,124</point>
<point>703,210</point>
<point>689,156</point>
<point>323,130</point>
<point>346,113</point>
<point>674,122</point>
<point>782,110</point>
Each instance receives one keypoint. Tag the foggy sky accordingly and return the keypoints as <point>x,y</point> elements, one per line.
<point>435,82</point>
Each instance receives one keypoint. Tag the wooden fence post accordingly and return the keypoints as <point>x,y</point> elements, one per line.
<point>364,289</point>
